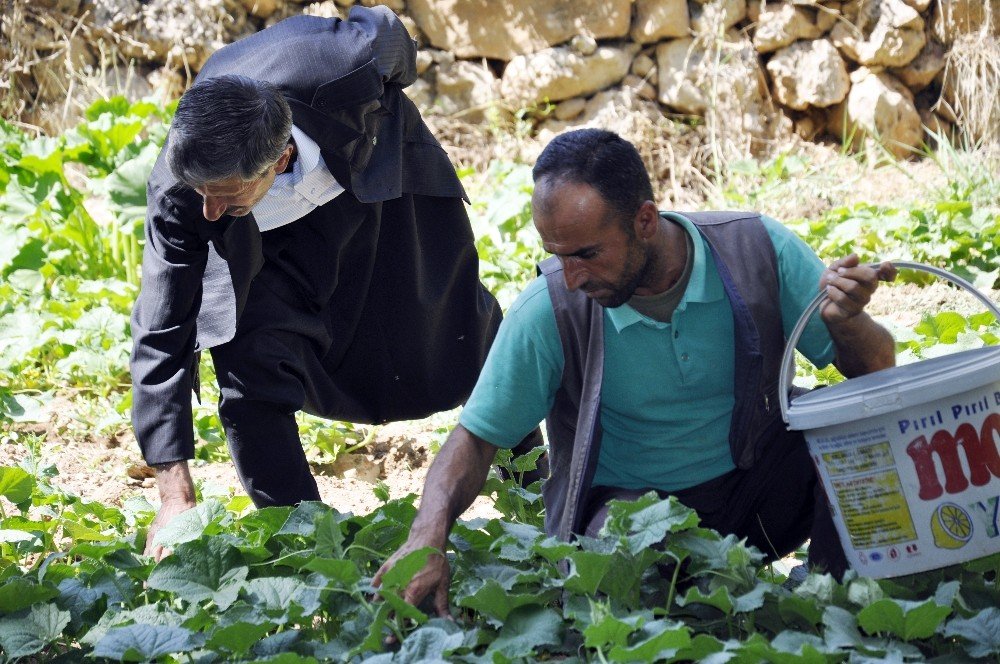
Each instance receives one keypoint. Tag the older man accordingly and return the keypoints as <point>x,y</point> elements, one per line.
<point>306,227</point>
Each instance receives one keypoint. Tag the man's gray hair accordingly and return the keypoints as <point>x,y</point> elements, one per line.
<point>229,126</point>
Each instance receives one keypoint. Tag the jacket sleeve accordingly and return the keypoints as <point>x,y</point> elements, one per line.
<point>164,321</point>
<point>394,51</point>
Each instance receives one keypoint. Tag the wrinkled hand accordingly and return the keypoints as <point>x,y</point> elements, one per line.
<point>433,578</point>
<point>849,286</point>
<point>168,510</point>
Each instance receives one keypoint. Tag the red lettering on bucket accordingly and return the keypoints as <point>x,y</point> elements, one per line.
<point>980,452</point>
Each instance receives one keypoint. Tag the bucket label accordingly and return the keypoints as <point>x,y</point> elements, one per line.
<point>869,495</point>
<point>918,488</point>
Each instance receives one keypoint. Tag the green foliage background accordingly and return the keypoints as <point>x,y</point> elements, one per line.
<point>291,585</point>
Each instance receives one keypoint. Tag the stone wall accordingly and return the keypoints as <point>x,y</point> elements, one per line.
<point>876,68</point>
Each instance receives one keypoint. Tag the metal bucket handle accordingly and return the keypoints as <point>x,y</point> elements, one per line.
<point>787,372</point>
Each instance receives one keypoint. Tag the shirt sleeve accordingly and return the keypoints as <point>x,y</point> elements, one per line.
<point>799,270</point>
<point>518,383</point>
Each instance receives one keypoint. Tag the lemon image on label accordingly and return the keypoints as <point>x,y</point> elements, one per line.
<point>951,526</point>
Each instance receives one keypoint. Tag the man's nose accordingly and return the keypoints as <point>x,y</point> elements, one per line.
<point>213,207</point>
<point>574,275</point>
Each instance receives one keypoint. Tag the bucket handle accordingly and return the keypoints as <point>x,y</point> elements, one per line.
<point>787,371</point>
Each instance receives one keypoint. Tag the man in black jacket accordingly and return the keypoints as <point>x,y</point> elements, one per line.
<point>306,227</point>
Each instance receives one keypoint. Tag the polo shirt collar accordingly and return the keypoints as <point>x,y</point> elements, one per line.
<point>704,285</point>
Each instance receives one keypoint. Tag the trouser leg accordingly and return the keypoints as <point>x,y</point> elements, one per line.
<point>264,444</point>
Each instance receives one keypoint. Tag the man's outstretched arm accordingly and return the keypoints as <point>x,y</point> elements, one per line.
<point>454,480</point>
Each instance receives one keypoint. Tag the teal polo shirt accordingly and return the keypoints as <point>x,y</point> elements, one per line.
<point>667,396</point>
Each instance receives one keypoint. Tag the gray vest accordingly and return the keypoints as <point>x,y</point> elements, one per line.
<point>745,259</point>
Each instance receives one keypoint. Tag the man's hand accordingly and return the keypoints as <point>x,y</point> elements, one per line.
<point>176,496</point>
<point>433,578</point>
<point>862,346</point>
<point>453,482</point>
<point>850,285</point>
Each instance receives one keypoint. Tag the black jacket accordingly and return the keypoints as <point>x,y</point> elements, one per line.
<point>344,81</point>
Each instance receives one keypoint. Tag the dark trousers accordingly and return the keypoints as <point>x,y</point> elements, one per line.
<point>776,504</point>
<point>361,312</point>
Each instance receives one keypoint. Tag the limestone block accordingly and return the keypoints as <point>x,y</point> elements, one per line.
<point>690,80</point>
<point>424,61</point>
<point>397,6</point>
<point>886,33</point>
<point>583,44</point>
<point>707,15</point>
<point>559,73</point>
<point>675,62</point>
<point>503,30</point>
<point>109,16</point>
<point>465,88</point>
<point>326,9</point>
<point>261,8</point>
<point>643,65</point>
<point>168,32</point>
<point>953,18</point>
<point>809,73</point>
<point>569,109</point>
<point>879,107</point>
<point>660,19</point>
<point>620,111</point>
<point>640,86</point>
<point>925,67</point>
<point>421,93</point>
<point>781,24</point>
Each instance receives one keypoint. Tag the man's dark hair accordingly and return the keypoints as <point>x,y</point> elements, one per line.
<point>602,160</point>
<point>229,126</point>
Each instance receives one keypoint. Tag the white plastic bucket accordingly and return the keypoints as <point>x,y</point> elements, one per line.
<point>909,456</point>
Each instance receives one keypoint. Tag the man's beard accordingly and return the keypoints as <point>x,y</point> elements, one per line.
<point>637,265</point>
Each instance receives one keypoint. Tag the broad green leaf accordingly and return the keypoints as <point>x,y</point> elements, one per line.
<point>943,327</point>
<point>27,634</point>
<point>526,629</point>
<point>587,570</point>
<point>841,628</point>
<point>429,644</point>
<point>140,643</point>
<point>16,484</point>
<point>981,632</point>
<point>400,574</point>
<point>656,640</point>
<point>907,620</point>
<point>650,525</point>
<point>19,593</point>
<point>609,630</point>
<point>202,569</point>
<point>864,591</point>
<point>274,593</point>
<point>719,598</point>
<point>192,524</point>
<point>239,637</point>
<point>800,611</point>
<point>329,536</point>
<point>302,520</point>
<point>494,600</point>
<point>344,572</point>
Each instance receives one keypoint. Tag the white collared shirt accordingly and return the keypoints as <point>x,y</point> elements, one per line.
<point>294,194</point>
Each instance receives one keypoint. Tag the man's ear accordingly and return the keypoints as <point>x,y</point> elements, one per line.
<point>286,156</point>
<point>647,220</point>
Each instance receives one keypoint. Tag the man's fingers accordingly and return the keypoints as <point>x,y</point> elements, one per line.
<point>441,601</point>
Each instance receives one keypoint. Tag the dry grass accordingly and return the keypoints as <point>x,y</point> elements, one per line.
<point>972,84</point>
